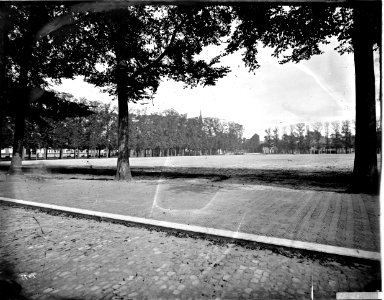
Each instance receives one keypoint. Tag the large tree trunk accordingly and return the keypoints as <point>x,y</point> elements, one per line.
<point>24,85</point>
<point>18,138</point>
<point>365,174</point>
<point>4,11</point>
<point>123,169</point>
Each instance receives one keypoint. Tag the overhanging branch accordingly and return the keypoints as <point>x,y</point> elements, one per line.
<point>162,55</point>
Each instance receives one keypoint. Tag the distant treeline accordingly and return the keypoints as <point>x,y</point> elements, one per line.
<point>171,133</point>
<point>161,134</point>
<point>327,137</point>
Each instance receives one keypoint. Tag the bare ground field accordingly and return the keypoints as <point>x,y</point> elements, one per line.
<point>324,172</point>
<point>289,196</point>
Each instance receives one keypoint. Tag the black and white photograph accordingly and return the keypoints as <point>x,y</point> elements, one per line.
<point>190,149</point>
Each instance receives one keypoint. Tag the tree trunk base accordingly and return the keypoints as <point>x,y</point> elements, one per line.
<point>368,184</point>
<point>123,172</point>
<point>16,164</point>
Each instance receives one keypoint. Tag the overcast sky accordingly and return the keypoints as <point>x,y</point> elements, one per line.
<point>320,89</point>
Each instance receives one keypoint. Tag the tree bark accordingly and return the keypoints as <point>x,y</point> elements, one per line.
<point>18,138</point>
<point>365,174</point>
<point>123,169</point>
<point>24,85</point>
<point>4,11</point>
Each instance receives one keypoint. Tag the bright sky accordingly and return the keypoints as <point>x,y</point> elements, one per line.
<point>320,89</point>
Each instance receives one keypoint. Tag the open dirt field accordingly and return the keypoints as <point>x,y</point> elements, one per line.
<point>322,162</point>
<point>327,172</point>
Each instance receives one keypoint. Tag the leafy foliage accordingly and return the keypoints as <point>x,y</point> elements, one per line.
<point>149,43</point>
<point>296,33</point>
<point>179,134</point>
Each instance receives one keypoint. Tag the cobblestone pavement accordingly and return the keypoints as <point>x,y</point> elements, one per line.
<point>338,219</point>
<point>62,257</point>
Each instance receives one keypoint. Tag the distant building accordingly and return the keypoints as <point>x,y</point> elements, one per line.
<point>270,150</point>
<point>6,152</point>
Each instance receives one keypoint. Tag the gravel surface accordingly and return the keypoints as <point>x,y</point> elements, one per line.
<point>60,257</point>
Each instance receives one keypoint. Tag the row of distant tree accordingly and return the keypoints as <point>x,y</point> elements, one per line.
<point>171,133</point>
<point>318,137</point>
<point>92,126</point>
<point>165,134</point>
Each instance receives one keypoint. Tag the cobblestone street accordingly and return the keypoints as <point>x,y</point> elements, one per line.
<point>61,257</point>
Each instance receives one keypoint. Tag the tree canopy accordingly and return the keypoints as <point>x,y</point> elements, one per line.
<point>296,33</point>
<point>30,57</point>
<point>135,47</point>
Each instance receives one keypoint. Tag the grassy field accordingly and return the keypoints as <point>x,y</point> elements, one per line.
<point>322,162</point>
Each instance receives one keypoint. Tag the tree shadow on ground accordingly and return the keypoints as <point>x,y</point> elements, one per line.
<point>336,181</point>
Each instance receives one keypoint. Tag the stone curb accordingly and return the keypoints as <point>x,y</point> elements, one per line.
<point>335,250</point>
<point>360,295</point>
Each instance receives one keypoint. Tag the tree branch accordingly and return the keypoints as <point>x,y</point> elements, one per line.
<point>161,56</point>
